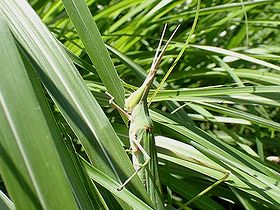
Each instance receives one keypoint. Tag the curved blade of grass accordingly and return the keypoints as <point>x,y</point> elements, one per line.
<point>245,200</point>
<point>5,202</point>
<point>115,8</point>
<point>266,95</point>
<point>215,9</point>
<point>78,173</point>
<point>29,152</point>
<point>246,99</point>
<point>263,76</point>
<point>179,153</point>
<point>80,184</point>
<point>95,47</point>
<point>179,186</point>
<point>237,55</point>
<point>215,91</point>
<point>230,71</point>
<point>202,138</point>
<point>112,186</point>
<point>241,165</point>
<point>241,114</point>
<point>251,75</point>
<point>70,94</point>
<point>222,119</point>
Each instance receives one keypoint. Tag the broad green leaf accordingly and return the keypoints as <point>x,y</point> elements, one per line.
<point>70,94</point>
<point>28,158</point>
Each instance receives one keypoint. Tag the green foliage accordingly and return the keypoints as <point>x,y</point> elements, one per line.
<point>63,147</point>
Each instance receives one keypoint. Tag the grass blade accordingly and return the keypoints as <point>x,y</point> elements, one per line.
<point>23,152</point>
<point>70,94</point>
<point>95,47</point>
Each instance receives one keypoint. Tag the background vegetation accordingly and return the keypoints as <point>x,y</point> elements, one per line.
<point>63,147</point>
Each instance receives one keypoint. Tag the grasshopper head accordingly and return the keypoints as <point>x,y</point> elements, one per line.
<point>133,99</point>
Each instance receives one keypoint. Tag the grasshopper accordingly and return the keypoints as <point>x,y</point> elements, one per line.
<point>141,136</point>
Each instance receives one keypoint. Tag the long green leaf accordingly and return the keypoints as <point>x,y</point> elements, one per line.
<point>218,8</point>
<point>112,186</point>
<point>239,164</point>
<point>95,47</point>
<point>237,55</point>
<point>70,94</point>
<point>29,154</point>
<point>5,202</point>
<point>244,115</point>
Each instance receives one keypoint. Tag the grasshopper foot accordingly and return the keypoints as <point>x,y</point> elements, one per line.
<point>120,188</point>
<point>128,151</point>
<point>111,100</point>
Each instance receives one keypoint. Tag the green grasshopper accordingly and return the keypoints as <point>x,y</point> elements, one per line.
<point>141,136</point>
